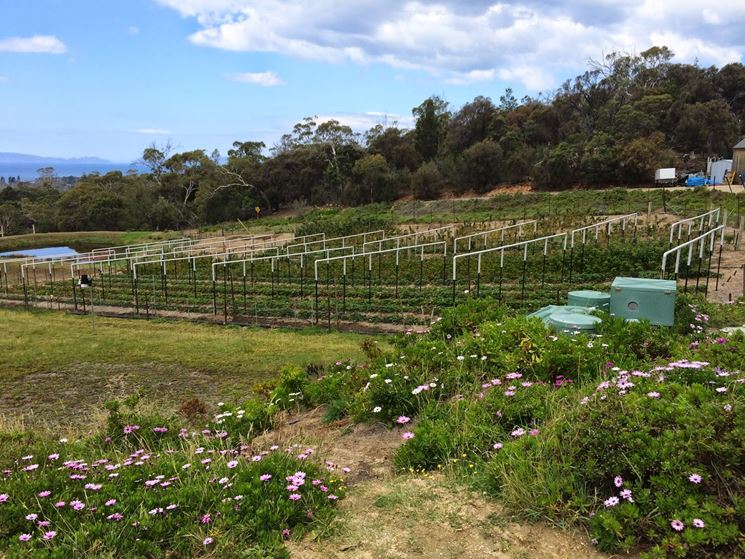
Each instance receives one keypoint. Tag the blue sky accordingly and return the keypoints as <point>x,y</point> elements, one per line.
<point>107,78</point>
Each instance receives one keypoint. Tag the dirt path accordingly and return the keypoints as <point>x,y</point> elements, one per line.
<point>389,516</point>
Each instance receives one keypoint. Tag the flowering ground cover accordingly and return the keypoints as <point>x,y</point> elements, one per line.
<point>635,435</point>
<point>145,487</point>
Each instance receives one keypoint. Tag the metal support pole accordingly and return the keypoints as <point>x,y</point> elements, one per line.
<point>225,293</point>
<point>137,300</point>
<point>316,301</point>
<point>214,297</point>
<point>708,273</point>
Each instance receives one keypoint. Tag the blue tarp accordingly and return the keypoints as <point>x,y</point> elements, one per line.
<point>698,181</point>
<point>51,252</point>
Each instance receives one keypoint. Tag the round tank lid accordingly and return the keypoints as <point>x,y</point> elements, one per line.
<point>575,321</point>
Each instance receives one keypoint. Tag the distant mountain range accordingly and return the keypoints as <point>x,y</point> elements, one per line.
<point>15,158</point>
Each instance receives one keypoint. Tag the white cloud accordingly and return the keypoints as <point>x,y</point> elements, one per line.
<point>47,44</point>
<point>153,131</point>
<point>133,30</point>
<point>264,79</point>
<point>535,42</point>
<point>361,122</point>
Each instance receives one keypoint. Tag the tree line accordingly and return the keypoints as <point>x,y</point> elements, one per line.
<point>613,125</point>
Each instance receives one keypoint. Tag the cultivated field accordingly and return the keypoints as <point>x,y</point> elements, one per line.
<point>471,432</point>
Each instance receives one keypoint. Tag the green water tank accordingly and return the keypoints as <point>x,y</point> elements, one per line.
<point>545,312</point>
<point>644,299</point>
<point>588,298</point>
<point>573,322</point>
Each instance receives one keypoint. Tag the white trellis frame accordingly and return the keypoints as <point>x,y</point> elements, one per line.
<point>437,231</point>
<point>606,224</point>
<point>701,241</point>
<point>370,254</point>
<point>343,240</point>
<point>708,216</point>
<point>501,230</point>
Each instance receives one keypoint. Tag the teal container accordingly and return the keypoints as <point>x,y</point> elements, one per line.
<point>644,299</point>
<point>545,312</point>
<point>590,299</point>
<point>573,322</point>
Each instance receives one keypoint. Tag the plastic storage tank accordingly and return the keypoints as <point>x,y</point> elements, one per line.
<point>587,298</point>
<point>573,322</point>
<point>545,313</point>
<point>644,299</point>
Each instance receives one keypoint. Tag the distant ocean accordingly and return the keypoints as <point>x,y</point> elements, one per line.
<point>28,171</point>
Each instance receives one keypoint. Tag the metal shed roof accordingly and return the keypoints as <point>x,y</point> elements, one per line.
<point>740,144</point>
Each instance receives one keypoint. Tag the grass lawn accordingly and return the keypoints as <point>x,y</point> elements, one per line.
<point>56,368</point>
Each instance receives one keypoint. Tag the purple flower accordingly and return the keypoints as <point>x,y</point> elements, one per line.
<point>618,481</point>
<point>698,523</point>
<point>77,505</point>
<point>93,486</point>
<point>402,420</point>
<point>408,435</point>
<point>232,464</point>
<point>24,537</point>
<point>160,429</point>
<point>295,497</point>
<point>110,502</point>
<point>265,477</point>
<point>208,541</point>
<point>519,432</point>
<point>497,446</point>
<point>626,494</point>
<point>31,517</point>
<point>44,494</point>
<point>611,502</point>
<point>653,394</point>
<point>59,504</point>
<point>4,498</point>
<point>116,517</point>
<point>206,519</point>
<point>677,525</point>
<point>694,478</point>
<point>49,535</point>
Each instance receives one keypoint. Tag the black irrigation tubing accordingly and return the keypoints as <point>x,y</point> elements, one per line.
<point>719,267</point>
